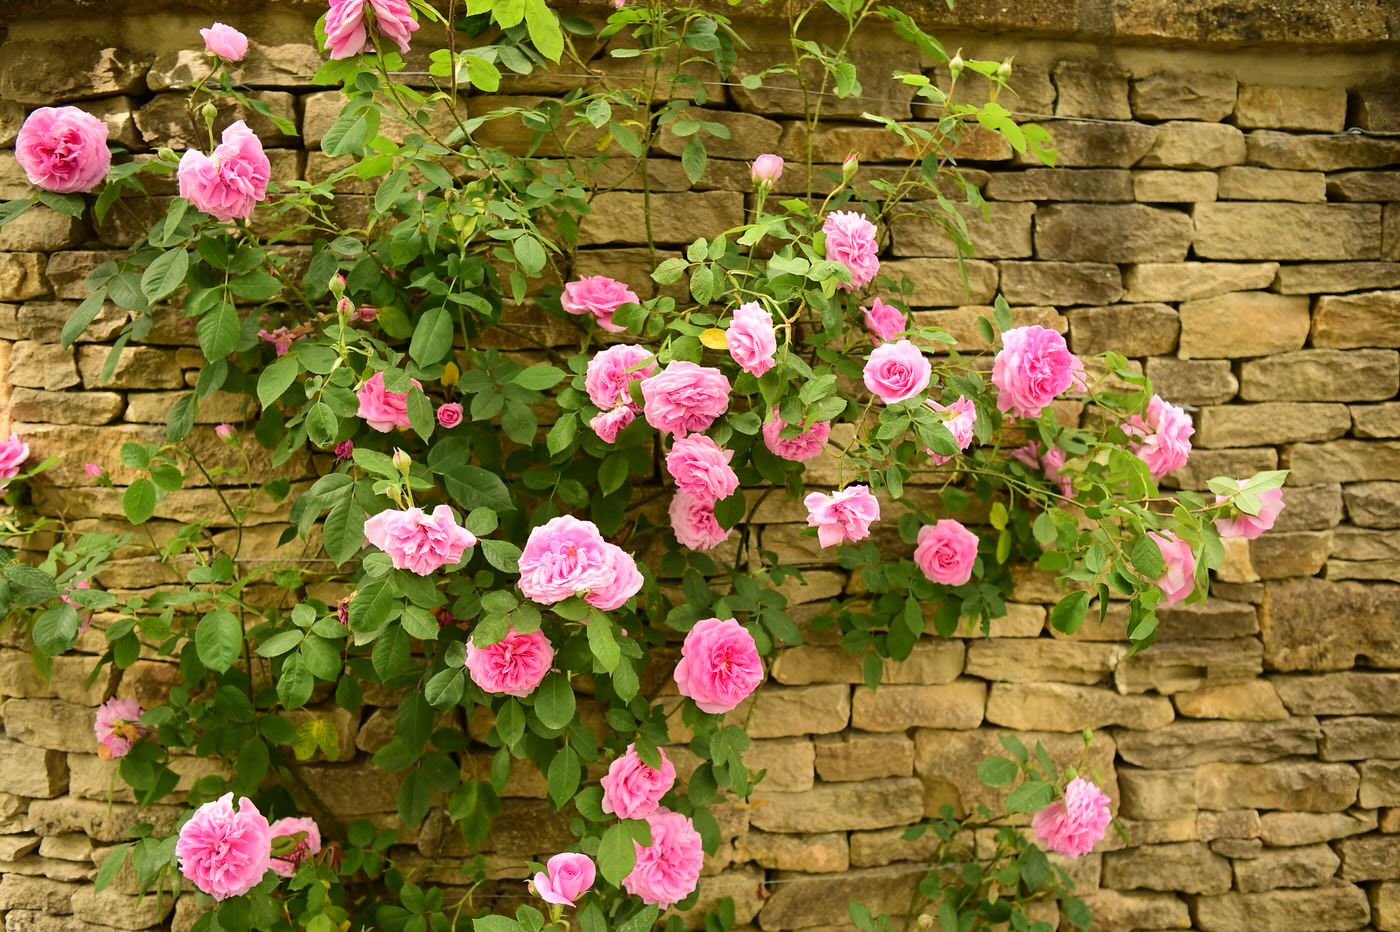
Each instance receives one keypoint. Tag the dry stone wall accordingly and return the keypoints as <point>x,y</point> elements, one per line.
<point>1208,218</point>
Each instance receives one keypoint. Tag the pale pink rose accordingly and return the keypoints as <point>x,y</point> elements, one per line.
<point>946,552</point>
<point>225,431</point>
<point>600,296</point>
<point>232,181</point>
<point>752,341</point>
<point>1166,434</point>
<point>224,851</point>
<point>897,371</point>
<point>1250,527</point>
<point>851,241</point>
<point>566,877</point>
<point>633,790</point>
<point>225,41</point>
<point>694,524</point>
<point>767,168</point>
<point>884,321</point>
<point>804,446</point>
<point>381,409</point>
<point>608,379</point>
<point>685,398</point>
<point>63,149</point>
<point>13,453</point>
<point>626,581</point>
<point>719,665</point>
<point>565,557</point>
<point>285,865</point>
<point>668,870</point>
<point>345,25</point>
<point>450,414</point>
<point>1033,366</point>
<point>419,542</point>
<point>845,515</point>
<point>1179,581</point>
<point>1050,465</point>
<point>93,470</point>
<point>608,424</point>
<point>514,666</point>
<point>1073,825</point>
<point>118,727</point>
<point>701,467</point>
<point>960,425</point>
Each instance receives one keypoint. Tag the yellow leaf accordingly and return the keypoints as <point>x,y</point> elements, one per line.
<point>318,733</point>
<point>715,338</point>
<point>450,374</point>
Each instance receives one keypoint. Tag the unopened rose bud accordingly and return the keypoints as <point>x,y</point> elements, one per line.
<point>93,470</point>
<point>767,168</point>
<point>209,112</point>
<point>344,307</point>
<point>224,431</point>
<point>955,66</point>
<point>850,167</point>
<point>167,154</point>
<point>337,285</point>
<point>402,461</point>
<point>1004,69</point>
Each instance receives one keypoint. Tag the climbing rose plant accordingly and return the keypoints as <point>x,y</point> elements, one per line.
<point>547,551</point>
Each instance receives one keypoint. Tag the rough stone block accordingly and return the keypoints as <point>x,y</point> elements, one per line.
<point>1247,183</point>
<point>1106,145</point>
<point>1307,828</point>
<point>803,900</point>
<point>37,893</point>
<point>1028,660</point>
<point>1380,784</point>
<point>32,771</point>
<point>22,276</point>
<point>1373,505</point>
<point>1339,693</point>
<point>1206,464</point>
<point>1246,323</point>
<point>1296,784</point>
<point>1131,329</point>
<point>1230,824</point>
<point>1065,707</point>
<point>1364,186</point>
<point>1304,866</point>
<point>1157,795</point>
<point>840,806</point>
<point>42,321</point>
<point>856,756</point>
<point>1216,619</point>
<point>1287,231</point>
<point>137,367</point>
<point>1184,281</point>
<point>1376,420</point>
<point>1114,911</point>
<point>938,283</point>
<point>1337,906</point>
<point>1315,624</point>
<point>49,723</point>
<point>780,712</point>
<point>165,121</point>
<point>887,846</point>
<point>100,821</point>
<point>1091,89</point>
<point>1255,701</point>
<point>1344,460</point>
<point>1183,665</point>
<point>1162,186</point>
<point>51,70</point>
<point>1290,553</point>
<point>1061,184</point>
<point>1368,319</point>
<point>114,910</point>
<point>1269,423</point>
<point>1359,544</point>
<point>1312,108</point>
<point>961,323</point>
<point>1189,867</point>
<point>1111,233</point>
<point>1060,283</point>
<point>1184,95</point>
<point>1192,382</point>
<point>1358,738</point>
<point>618,217</point>
<point>42,229</point>
<point>1188,743</point>
<point>1322,375</point>
<point>1004,234</point>
<point>810,854</point>
<point>1197,146</point>
<point>896,708</point>
<point>1385,906</point>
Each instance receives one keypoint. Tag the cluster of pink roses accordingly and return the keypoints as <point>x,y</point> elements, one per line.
<point>607,381</point>
<point>226,851</point>
<point>419,542</point>
<point>566,557</point>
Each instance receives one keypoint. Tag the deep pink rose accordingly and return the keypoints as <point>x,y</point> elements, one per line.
<point>1049,464</point>
<point>225,41</point>
<point>960,425</point>
<point>1251,526</point>
<point>1034,366</point>
<point>608,378</point>
<point>719,665</point>
<point>626,582</point>
<point>285,865</point>
<point>668,870</point>
<point>63,149</point>
<point>897,371</point>
<point>281,339</point>
<point>701,467</point>
<point>752,341</point>
<point>381,409</point>
<point>450,414</point>
<point>685,398</point>
<point>1073,825</point>
<point>345,450</point>
<point>417,541</point>
<point>845,515</point>
<point>1166,434</point>
<point>850,240</point>
<point>118,727</point>
<point>633,790</point>
<point>13,453</point>
<point>946,552</point>
<point>767,168</point>
<point>1179,581</point>
<point>345,25</point>
<point>566,557</point>
<point>514,666</point>
<point>600,296</point>
<point>232,181</point>
<point>225,852</point>
<point>608,424</point>
<point>804,446</point>
<point>884,321</point>
<point>694,524</point>
<point>566,877</point>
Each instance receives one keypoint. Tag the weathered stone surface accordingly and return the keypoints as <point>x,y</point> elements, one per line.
<point>749,136</point>
<point>1004,234</point>
<point>938,283</point>
<point>1061,184</point>
<point>41,229</point>
<point>100,821</point>
<point>1339,693</point>
<point>778,712</point>
<point>1385,906</point>
<point>1360,544</point>
<point>857,756</point>
<point>1364,186</point>
<point>65,407</point>
<point>138,367</point>
<point>50,896</point>
<point>112,909</point>
<point>840,806</point>
<point>1184,144</point>
<point>1322,375</point>
<point>1181,281</point>
<point>49,723</point>
<point>896,708</point>
<point>1336,277</point>
<point>1287,231</point>
<point>931,662</point>
<point>833,142</point>
<point>1229,824</point>
<point>1370,858</point>
<point>43,72</point>
<point>1025,660</point>
<point>887,846</point>
<point>32,771</point>
<point>1187,743</point>
<point>1107,145</point>
<point>1130,329</point>
<point>1290,553</point>
<point>1189,867</point>
<point>1380,783</point>
<point>1371,318</point>
<point>1255,701</point>
<point>1162,186</point>
<point>1300,785</point>
<point>1244,323</point>
<point>1182,665</point>
<point>675,218</point>
<point>802,901</point>
<point>1157,795</point>
<point>1356,738</point>
<point>1271,107</point>
<point>42,365</point>
<point>1247,183</point>
<point>1373,505</point>
<point>1060,283</point>
<point>1064,707</point>
<point>1337,906</point>
<point>1322,153</point>
<point>1124,912</point>
<point>1180,95</point>
<point>1111,233</point>
<point>68,682</point>
<point>1091,89</point>
<point>1218,618</point>
<point>1376,420</point>
<point>810,854</point>
<point>1307,828</point>
<point>1269,423</point>
<point>1316,624</point>
<point>165,121</point>
<point>1345,461</point>
<point>218,408</point>
<point>1192,382</point>
<point>22,276</point>
<point>1305,866</point>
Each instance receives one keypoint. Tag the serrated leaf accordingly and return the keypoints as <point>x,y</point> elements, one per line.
<point>219,330</point>
<point>165,274</point>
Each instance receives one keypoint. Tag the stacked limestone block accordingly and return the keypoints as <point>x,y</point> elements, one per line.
<point>1203,221</point>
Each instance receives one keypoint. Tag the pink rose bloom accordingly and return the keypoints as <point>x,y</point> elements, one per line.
<point>608,378</point>
<point>946,552</point>
<point>345,25</point>
<point>345,450</point>
<point>850,240</point>
<point>93,470</point>
<point>566,877</point>
<point>450,414</point>
<point>626,582</point>
<point>685,398</point>
<point>381,409</point>
<point>1180,579</point>
<point>719,665</point>
<point>752,342</point>
<point>694,524</point>
<point>884,321</point>
<point>225,41</point>
<point>1073,825</point>
<point>13,453</point>
<point>767,168</point>
<point>1049,464</point>
<point>417,541</point>
<point>225,852</point>
<point>668,870</point>
<point>118,727</point>
<point>897,371</point>
<point>232,181</point>
<point>1166,436</point>
<point>1034,366</point>
<point>224,431</point>
<point>281,339</point>
<point>1251,526</point>
<point>63,149</point>
<point>600,296</point>
<point>285,865</point>
<point>566,557</point>
<point>842,516</point>
<point>513,666</point>
<point>701,467</point>
<point>804,446</point>
<point>960,425</point>
<point>633,790</point>
<point>608,424</point>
